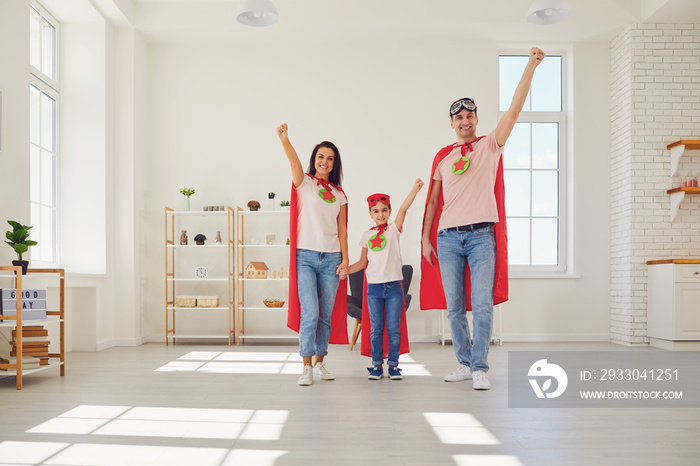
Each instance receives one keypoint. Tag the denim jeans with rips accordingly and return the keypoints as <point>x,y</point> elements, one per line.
<point>317,285</point>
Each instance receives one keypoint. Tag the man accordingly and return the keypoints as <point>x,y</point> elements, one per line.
<point>465,219</point>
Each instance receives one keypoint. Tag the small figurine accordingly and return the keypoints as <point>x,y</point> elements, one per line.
<point>274,274</point>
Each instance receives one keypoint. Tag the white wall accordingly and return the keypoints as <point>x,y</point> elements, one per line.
<point>213,110</point>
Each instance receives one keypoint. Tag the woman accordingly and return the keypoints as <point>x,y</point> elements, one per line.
<point>318,253</point>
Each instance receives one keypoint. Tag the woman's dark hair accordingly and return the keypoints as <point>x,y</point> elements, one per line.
<point>336,175</point>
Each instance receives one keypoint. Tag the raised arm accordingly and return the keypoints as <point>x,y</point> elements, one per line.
<point>406,204</point>
<point>297,169</point>
<point>430,210</point>
<point>505,126</point>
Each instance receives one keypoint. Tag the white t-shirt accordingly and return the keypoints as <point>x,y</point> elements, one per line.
<point>469,197</point>
<point>383,265</point>
<point>317,227</point>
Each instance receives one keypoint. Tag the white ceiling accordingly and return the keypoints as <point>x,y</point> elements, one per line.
<point>502,21</point>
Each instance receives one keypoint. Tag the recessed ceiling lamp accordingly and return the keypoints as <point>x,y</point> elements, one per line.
<point>548,11</point>
<point>257,13</point>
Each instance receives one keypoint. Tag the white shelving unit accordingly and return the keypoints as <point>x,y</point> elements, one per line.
<point>207,255</point>
<point>252,227</point>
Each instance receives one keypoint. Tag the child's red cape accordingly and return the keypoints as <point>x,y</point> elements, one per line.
<point>339,319</point>
<point>432,295</point>
<point>366,343</point>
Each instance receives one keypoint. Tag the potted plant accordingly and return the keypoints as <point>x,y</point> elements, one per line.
<point>20,242</point>
<point>187,192</point>
<point>284,205</point>
<point>253,205</point>
<point>200,239</point>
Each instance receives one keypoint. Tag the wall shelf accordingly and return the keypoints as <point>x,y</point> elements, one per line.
<point>679,148</point>
<point>677,196</point>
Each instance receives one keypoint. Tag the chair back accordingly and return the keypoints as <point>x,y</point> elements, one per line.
<point>407,271</point>
<point>357,283</point>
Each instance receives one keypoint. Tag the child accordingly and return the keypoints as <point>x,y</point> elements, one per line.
<point>381,255</point>
<point>318,253</point>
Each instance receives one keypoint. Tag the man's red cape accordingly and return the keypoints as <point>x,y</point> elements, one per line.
<point>339,319</point>
<point>366,343</point>
<point>432,294</point>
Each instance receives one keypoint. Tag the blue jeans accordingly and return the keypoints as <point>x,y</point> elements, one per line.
<point>385,298</point>
<point>317,285</point>
<point>478,249</point>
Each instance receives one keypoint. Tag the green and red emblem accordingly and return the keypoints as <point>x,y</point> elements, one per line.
<point>327,195</point>
<point>377,242</point>
<point>460,165</point>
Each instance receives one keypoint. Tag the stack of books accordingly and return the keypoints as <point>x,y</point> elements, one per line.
<point>33,303</point>
<point>35,344</point>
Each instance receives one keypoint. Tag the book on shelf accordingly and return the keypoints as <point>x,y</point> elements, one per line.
<point>27,362</point>
<point>32,331</point>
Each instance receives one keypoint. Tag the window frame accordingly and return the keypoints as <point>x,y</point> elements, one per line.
<point>51,87</point>
<point>528,116</point>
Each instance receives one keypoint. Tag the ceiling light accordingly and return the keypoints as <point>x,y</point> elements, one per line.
<point>548,11</point>
<point>257,13</point>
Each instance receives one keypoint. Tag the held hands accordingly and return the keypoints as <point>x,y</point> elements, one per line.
<point>536,56</point>
<point>283,132</point>
<point>342,270</point>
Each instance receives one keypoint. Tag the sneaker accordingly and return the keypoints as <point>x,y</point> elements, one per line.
<point>395,373</point>
<point>321,371</point>
<point>480,381</point>
<point>307,376</point>
<point>375,373</point>
<point>462,373</point>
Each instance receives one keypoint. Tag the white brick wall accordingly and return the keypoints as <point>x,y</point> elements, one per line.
<point>655,100</point>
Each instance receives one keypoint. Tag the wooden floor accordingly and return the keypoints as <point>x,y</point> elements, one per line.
<point>208,405</point>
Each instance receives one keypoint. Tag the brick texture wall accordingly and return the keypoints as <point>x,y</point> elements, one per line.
<point>655,100</point>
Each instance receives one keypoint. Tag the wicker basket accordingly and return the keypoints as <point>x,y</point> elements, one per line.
<point>185,301</point>
<point>207,301</point>
<point>273,303</point>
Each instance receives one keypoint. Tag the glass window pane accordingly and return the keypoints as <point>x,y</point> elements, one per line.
<point>34,174</point>
<point>545,145</point>
<point>510,70</point>
<point>48,48</point>
<point>36,228</point>
<point>34,115</point>
<point>47,233</point>
<point>34,39</point>
<point>546,86</point>
<point>517,193</point>
<point>47,178</point>
<point>545,193</point>
<point>48,114</point>
<point>545,241</point>
<point>516,153</point>
<point>518,241</point>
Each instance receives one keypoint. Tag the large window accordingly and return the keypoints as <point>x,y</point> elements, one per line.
<point>533,160</point>
<point>43,121</point>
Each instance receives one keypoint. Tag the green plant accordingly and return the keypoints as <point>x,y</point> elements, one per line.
<point>187,191</point>
<point>284,204</point>
<point>19,238</point>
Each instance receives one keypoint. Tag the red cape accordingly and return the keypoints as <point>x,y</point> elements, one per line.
<point>366,343</point>
<point>432,295</point>
<point>339,319</point>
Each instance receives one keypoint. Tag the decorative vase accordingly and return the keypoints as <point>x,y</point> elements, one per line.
<point>284,207</point>
<point>217,239</point>
<point>23,264</point>
<point>187,203</point>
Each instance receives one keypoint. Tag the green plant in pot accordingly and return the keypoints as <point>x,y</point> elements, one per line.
<point>19,241</point>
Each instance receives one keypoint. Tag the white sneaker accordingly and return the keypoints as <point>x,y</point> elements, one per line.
<point>307,376</point>
<point>321,371</point>
<point>480,381</point>
<point>462,373</point>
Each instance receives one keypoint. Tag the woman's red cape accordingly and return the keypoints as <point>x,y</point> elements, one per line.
<point>339,319</point>
<point>432,294</point>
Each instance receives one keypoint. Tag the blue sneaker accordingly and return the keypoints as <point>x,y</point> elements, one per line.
<point>395,373</point>
<point>375,372</point>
